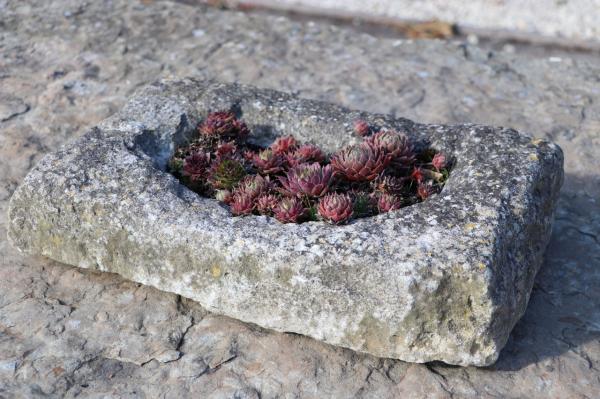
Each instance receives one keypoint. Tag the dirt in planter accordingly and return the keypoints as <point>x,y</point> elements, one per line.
<point>298,182</point>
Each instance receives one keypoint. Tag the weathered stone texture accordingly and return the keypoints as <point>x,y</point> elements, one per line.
<point>62,57</point>
<point>445,280</point>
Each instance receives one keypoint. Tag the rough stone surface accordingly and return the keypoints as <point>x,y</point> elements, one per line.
<point>66,56</point>
<point>445,279</point>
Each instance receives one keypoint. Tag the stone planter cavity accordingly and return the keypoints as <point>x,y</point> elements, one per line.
<point>445,279</point>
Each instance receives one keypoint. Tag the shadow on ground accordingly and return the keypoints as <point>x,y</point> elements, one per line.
<point>564,308</point>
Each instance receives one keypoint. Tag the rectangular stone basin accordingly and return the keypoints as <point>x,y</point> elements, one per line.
<point>445,279</point>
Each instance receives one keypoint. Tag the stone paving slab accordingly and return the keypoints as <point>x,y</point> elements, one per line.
<point>575,20</point>
<point>67,332</point>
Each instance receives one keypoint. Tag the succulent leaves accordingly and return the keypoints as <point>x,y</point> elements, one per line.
<point>289,210</point>
<point>223,125</point>
<point>268,161</point>
<point>283,145</point>
<point>439,161</point>
<point>336,208</point>
<point>311,180</point>
<point>297,182</point>
<point>226,174</point>
<point>360,162</point>
<point>362,128</point>
<point>196,165</point>
<point>388,202</point>
<point>241,205</point>
<point>396,145</point>
<point>266,203</point>
<point>307,153</point>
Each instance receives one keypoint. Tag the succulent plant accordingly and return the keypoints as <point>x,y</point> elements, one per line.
<point>195,165</point>
<point>388,184</point>
<point>417,174</point>
<point>223,124</point>
<point>218,123</point>
<point>254,186</point>
<point>241,205</point>
<point>312,214</point>
<point>175,165</point>
<point>396,145</point>
<point>388,202</point>
<point>425,189</point>
<point>312,180</point>
<point>224,196</point>
<point>439,161</point>
<point>360,162</point>
<point>226,173</point>
<point>284,144</point>
<point>267,162</point>
<point>363,205</point>
<point>294,182</point>
<point>289,210</point>
<point>336,208</point>
<point>249,155</point>
<point>242,130</point>
<point>226,150</point>
<point>266,203</point>
<point>362,128</point>
<point>305,154</point>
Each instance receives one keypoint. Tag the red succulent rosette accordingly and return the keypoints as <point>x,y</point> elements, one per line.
<point>227,150</point>
<point>336,208</point>
<point>312,180</point>
<point>289,210</point>
<point>284,144</point>
<point>396,145</point>
<point>253,186</point>
<point>425,189</point>
<point>307,153</point>
<point>362,128</point>
<point>223,124</point>
<point>241,204</point>
<point>267,162</point>
<point>439,161</point>
<point>360,162</point>
<point>389,184</point>
<point>388,202</point>
<point>196,165</point>
<point>266,203</point>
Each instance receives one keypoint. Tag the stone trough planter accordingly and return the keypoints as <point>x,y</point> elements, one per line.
<point>446,279</point>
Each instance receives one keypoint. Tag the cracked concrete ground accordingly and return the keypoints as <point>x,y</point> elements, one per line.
<point>65,332</point>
